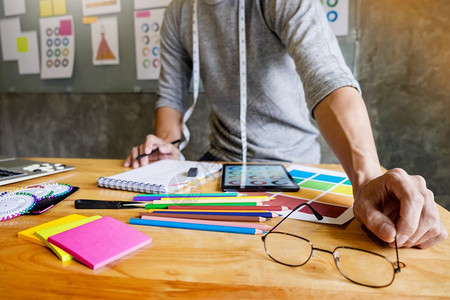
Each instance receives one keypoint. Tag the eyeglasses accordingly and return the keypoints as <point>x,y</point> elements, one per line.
<point>360,266</point>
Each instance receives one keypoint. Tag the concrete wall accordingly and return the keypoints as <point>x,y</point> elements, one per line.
<point>403,65</point>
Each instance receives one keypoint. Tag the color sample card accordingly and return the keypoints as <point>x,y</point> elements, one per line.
<point>100,7</point>
<point>329,192</point>
<point>100,242</point>
<point>14,7</point>
<point>147,28</point>
<point>105,41</point>
<point>9,32</point>
<point>144,4</point>
<point>28,53</point>
<point>337,15</point>
<point>58,47</point>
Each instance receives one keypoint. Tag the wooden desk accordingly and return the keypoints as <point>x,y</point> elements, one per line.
<point>195,264</point>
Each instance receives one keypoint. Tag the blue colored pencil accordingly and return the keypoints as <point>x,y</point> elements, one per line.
<point>242,214</point>
<point>194,226</point>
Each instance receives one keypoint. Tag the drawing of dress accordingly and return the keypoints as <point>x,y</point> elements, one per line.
<point>104,52</point>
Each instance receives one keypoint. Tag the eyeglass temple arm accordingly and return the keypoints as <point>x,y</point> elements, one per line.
<point>318,216</point>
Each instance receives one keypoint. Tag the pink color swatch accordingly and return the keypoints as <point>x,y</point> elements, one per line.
<point>100,242</point>
<point>65,27</point>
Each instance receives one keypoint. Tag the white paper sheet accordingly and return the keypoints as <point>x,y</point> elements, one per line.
<point>100,7</point>
<point>337,15</point>
<point>147,28</point>
<point>105,41</point>
<point>57,46</point>
<point>144,4</point>
<point>9,31</point>
<point>14,7</point>
<point>28,53</point>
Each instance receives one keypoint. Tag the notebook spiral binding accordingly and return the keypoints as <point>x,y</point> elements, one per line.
<point>131,186</point>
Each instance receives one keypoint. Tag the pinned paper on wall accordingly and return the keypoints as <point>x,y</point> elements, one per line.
<point>49,8</point>
<point>28,53</point>
<point>337,15</point>
<point>57,47</point>
<point>145,4</point>
<point>14,7</point>
<point>9,32</point>
<point>105,41</point>
<point>147,29</point>
<point>100,7</point>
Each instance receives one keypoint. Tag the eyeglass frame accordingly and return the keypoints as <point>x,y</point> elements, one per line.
<point>397,265</point>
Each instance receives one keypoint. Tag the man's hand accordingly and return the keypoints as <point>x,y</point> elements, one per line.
<point>156,147</point>
<point>400,204</point>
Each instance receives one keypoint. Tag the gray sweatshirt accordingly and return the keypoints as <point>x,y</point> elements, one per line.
<point>293,62</point>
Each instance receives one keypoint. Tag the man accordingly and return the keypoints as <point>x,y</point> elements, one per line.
<point>294,70</point>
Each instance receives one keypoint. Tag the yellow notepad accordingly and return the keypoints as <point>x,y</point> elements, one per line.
<point>28,234</point>
<point>44,234</point>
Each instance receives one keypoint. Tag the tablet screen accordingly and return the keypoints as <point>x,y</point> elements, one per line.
<point>257,177</point>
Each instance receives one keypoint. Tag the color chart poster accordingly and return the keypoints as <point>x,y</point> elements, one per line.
<point>328,192</point>
<point>147,28</point>
<point>105,41</point>
<point>337,15</point>
<point>57,47</point>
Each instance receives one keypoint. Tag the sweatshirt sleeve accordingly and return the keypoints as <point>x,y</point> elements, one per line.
<point>176,63</point>
<point>303,28</point>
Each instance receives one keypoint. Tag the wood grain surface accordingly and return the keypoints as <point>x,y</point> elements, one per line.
<point>195,264</point>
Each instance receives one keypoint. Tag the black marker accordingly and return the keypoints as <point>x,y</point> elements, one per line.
<point>144,155</point>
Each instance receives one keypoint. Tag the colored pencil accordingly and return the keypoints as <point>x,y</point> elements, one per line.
<point>209,222</point>
<point>150,197</point>
<point>207,217</point>
<point>210,210</point>
<point>244,214</point>
<point>211,200</point>
<point>165,205</point>
<point>227,207</point>
<point>218,228</point>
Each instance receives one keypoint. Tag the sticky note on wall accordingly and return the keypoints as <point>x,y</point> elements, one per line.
<point>59,7</point>
<point>46,8</point>
<point>22,44</point>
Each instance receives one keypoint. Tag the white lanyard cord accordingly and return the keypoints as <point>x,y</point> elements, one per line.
<point>242,76</point>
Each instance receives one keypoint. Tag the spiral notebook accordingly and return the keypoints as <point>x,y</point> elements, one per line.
<point>164,176</point>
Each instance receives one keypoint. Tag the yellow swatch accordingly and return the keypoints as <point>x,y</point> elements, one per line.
<point>59,7</point>
<point>46,8</point>
<point>343,189</point>
<point>22,44</point>
<point>44,234</point>
<point>28,234</point>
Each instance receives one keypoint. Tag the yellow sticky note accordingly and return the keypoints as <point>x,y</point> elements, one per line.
<point>22,44</point>
<point>59,7</point>
<point>44,234</point>
<point>90,20</point>
<point>28,234</point>
<point>46,8</point>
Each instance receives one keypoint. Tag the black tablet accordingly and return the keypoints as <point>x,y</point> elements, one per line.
<point>257,178</point>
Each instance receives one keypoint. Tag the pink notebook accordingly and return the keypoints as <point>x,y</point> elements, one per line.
<point>100,242</point>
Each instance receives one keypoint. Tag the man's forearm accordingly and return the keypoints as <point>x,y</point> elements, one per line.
<point>168,124</point>
<point>344,123</point>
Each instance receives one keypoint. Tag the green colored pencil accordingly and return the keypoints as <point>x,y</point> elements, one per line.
<point>157,206</point>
